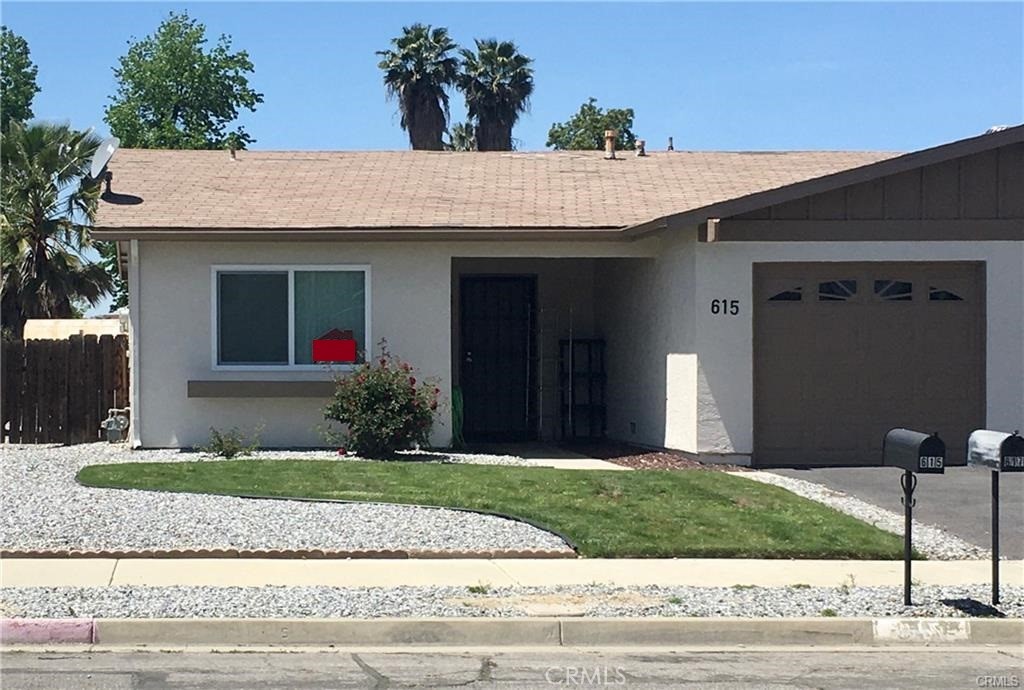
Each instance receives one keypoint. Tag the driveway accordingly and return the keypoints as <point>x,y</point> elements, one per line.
<point>957,501</point>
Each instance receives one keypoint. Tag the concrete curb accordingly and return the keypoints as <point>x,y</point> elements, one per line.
<point>516,632</point>
<point>293,554</point>
<point>47,630</point>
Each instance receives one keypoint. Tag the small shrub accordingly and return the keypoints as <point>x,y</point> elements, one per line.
<point>231,443</point>
<point>800,585</point>
<point>675,600</point>
<point>743,587</point>
<point>829,613</point>
<point>383,407</point>
<point>482,588</point>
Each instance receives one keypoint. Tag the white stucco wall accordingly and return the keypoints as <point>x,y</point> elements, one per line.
<point>725,343</point>
<point>645,312</point>
<point>680,374</point>
<point>410,306</point>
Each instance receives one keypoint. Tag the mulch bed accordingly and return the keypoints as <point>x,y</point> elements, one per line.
<point>639,458</point>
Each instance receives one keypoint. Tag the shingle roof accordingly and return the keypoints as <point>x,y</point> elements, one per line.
<point>420,189</point>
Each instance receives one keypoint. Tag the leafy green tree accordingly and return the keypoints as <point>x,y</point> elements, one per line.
<point>585,130</point>
<point>462,137</point>
<point>17,78</point>
<point>174,94</point>
<point>497,81</point>
<point>110,262</point>
<point>418,71</point>
<point>46,205</point>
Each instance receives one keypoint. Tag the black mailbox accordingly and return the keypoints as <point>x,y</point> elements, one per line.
<point>996,450</point>
<point>914,451</point>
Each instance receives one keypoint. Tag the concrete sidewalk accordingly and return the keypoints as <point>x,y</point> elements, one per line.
<point>98,572</point>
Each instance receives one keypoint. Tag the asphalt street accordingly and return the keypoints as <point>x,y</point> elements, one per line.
<point>958,501</point>
<point>853,669</point>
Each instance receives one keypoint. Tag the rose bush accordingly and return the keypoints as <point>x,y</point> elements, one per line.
<point>383,406</point>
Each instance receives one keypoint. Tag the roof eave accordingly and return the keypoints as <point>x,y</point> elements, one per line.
<point>108,233</point>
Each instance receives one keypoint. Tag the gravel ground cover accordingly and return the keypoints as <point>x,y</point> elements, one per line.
<point>46,509</point>
<point>335,602</point>
<point>933,542</point>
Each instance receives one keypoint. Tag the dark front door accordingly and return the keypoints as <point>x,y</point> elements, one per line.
<point>497,339</point>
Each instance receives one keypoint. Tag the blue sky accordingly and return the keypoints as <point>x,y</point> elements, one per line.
<point>729,76</point>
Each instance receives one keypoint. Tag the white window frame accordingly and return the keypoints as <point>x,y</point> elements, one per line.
<point>290,269</point>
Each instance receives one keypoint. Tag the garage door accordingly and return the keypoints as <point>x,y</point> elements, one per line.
<point>845,351</point>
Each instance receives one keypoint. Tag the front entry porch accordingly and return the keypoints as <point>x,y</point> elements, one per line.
<point>539,351</point>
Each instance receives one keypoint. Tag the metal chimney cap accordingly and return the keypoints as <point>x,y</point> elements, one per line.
<point>609,143</point>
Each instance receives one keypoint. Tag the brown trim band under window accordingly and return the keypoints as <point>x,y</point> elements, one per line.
<point>260,389</point>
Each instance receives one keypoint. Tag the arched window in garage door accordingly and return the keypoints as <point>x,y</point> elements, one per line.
<point>894,290</point>
<point>837,290</point>
<point>939,295</point>
<point>794,294</point>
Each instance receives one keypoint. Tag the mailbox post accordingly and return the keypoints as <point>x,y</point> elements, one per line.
<point>913,452</point>
<point>1000,452</point>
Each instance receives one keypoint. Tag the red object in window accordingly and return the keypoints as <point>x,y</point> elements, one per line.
<point>334,346</point>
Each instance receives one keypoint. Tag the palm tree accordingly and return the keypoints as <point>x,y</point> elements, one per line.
<point>46,205</point>
<point>462,137</point>
<point>418,70</point>
<point>497,81</point>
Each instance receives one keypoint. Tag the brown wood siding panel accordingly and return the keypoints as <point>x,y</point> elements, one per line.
<point>757,214</point>
<point>980,185</point>
<point>1011,181</point>
<point>829,206</point>
<point>730,230</point>
<point>866,201</point>
<point>798,209</point>
<point>940,193</point>
<point>903,195</point>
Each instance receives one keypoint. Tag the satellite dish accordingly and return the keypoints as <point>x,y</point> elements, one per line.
<point>104,152</point>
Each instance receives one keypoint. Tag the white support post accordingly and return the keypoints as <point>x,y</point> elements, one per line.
<point>134,326</point>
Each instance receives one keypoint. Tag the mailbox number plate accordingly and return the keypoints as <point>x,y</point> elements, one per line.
<point>930,462</point>
<point>1013,463</point>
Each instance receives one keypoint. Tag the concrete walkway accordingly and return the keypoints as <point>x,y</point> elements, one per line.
<point>580,463</point>
<point>89,572</point>
<point>540,454</point>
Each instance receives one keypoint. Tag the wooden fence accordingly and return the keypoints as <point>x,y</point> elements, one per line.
<point>58,391</point>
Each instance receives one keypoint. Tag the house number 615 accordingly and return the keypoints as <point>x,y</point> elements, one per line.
<point>725,306</point>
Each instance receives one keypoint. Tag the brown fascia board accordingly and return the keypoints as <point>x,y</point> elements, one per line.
<point>360,234</point>
<point>838,180</point>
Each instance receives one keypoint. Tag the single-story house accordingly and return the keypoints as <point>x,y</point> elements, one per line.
<point>764,307</point>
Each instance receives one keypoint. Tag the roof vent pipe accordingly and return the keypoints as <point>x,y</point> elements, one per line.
<point>670,146</point>
<point>641,148</point>
<point>609,143</point>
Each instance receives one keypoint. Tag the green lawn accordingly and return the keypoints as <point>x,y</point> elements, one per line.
<point>607,514</point>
